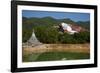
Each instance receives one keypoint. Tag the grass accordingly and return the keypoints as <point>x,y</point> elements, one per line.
<point>54,56</point>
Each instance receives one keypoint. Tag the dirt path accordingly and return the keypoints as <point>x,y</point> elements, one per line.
<point>85,48</point>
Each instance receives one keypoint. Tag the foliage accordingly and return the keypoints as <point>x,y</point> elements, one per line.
<point>51,35</point>
<point>46,33</point>
<point>26,34</point>
<point>85,24</point>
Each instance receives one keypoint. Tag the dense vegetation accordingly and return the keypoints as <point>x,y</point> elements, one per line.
<point>46,33</point>
<point>84,24</point>
<point>51,35</point>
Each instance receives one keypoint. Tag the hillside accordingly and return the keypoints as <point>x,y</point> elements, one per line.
<point>85,24</point>
<point>43,26</point>
<point>51,21</point>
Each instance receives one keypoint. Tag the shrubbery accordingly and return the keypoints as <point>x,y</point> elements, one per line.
<point>26,34</point>
<point>52,35</point>
<point>46,33</point>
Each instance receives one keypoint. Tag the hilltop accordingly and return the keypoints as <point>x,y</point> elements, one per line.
<point>46,33</point>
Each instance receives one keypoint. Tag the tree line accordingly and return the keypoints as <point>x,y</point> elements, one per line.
<point>46,33</point>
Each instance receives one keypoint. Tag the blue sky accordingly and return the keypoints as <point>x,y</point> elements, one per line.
<point>57,15</point>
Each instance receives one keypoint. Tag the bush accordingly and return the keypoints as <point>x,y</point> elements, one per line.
<point>49,34</point>
<point>26,34</point>
<point>82,37</point>
<point>46,34</point>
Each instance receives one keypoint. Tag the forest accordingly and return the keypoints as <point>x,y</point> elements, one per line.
<point>46,32</point>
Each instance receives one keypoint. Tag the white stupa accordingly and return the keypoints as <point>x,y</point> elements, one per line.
<point>68,28</point>
<point>33,40</point>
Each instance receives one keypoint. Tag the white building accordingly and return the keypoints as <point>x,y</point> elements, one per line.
<point>68,28</point>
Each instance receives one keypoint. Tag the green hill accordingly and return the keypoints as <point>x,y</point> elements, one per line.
<point>85,24</point>
<point>46,33</point>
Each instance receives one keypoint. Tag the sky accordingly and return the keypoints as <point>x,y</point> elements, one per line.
<point>57,15</point>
